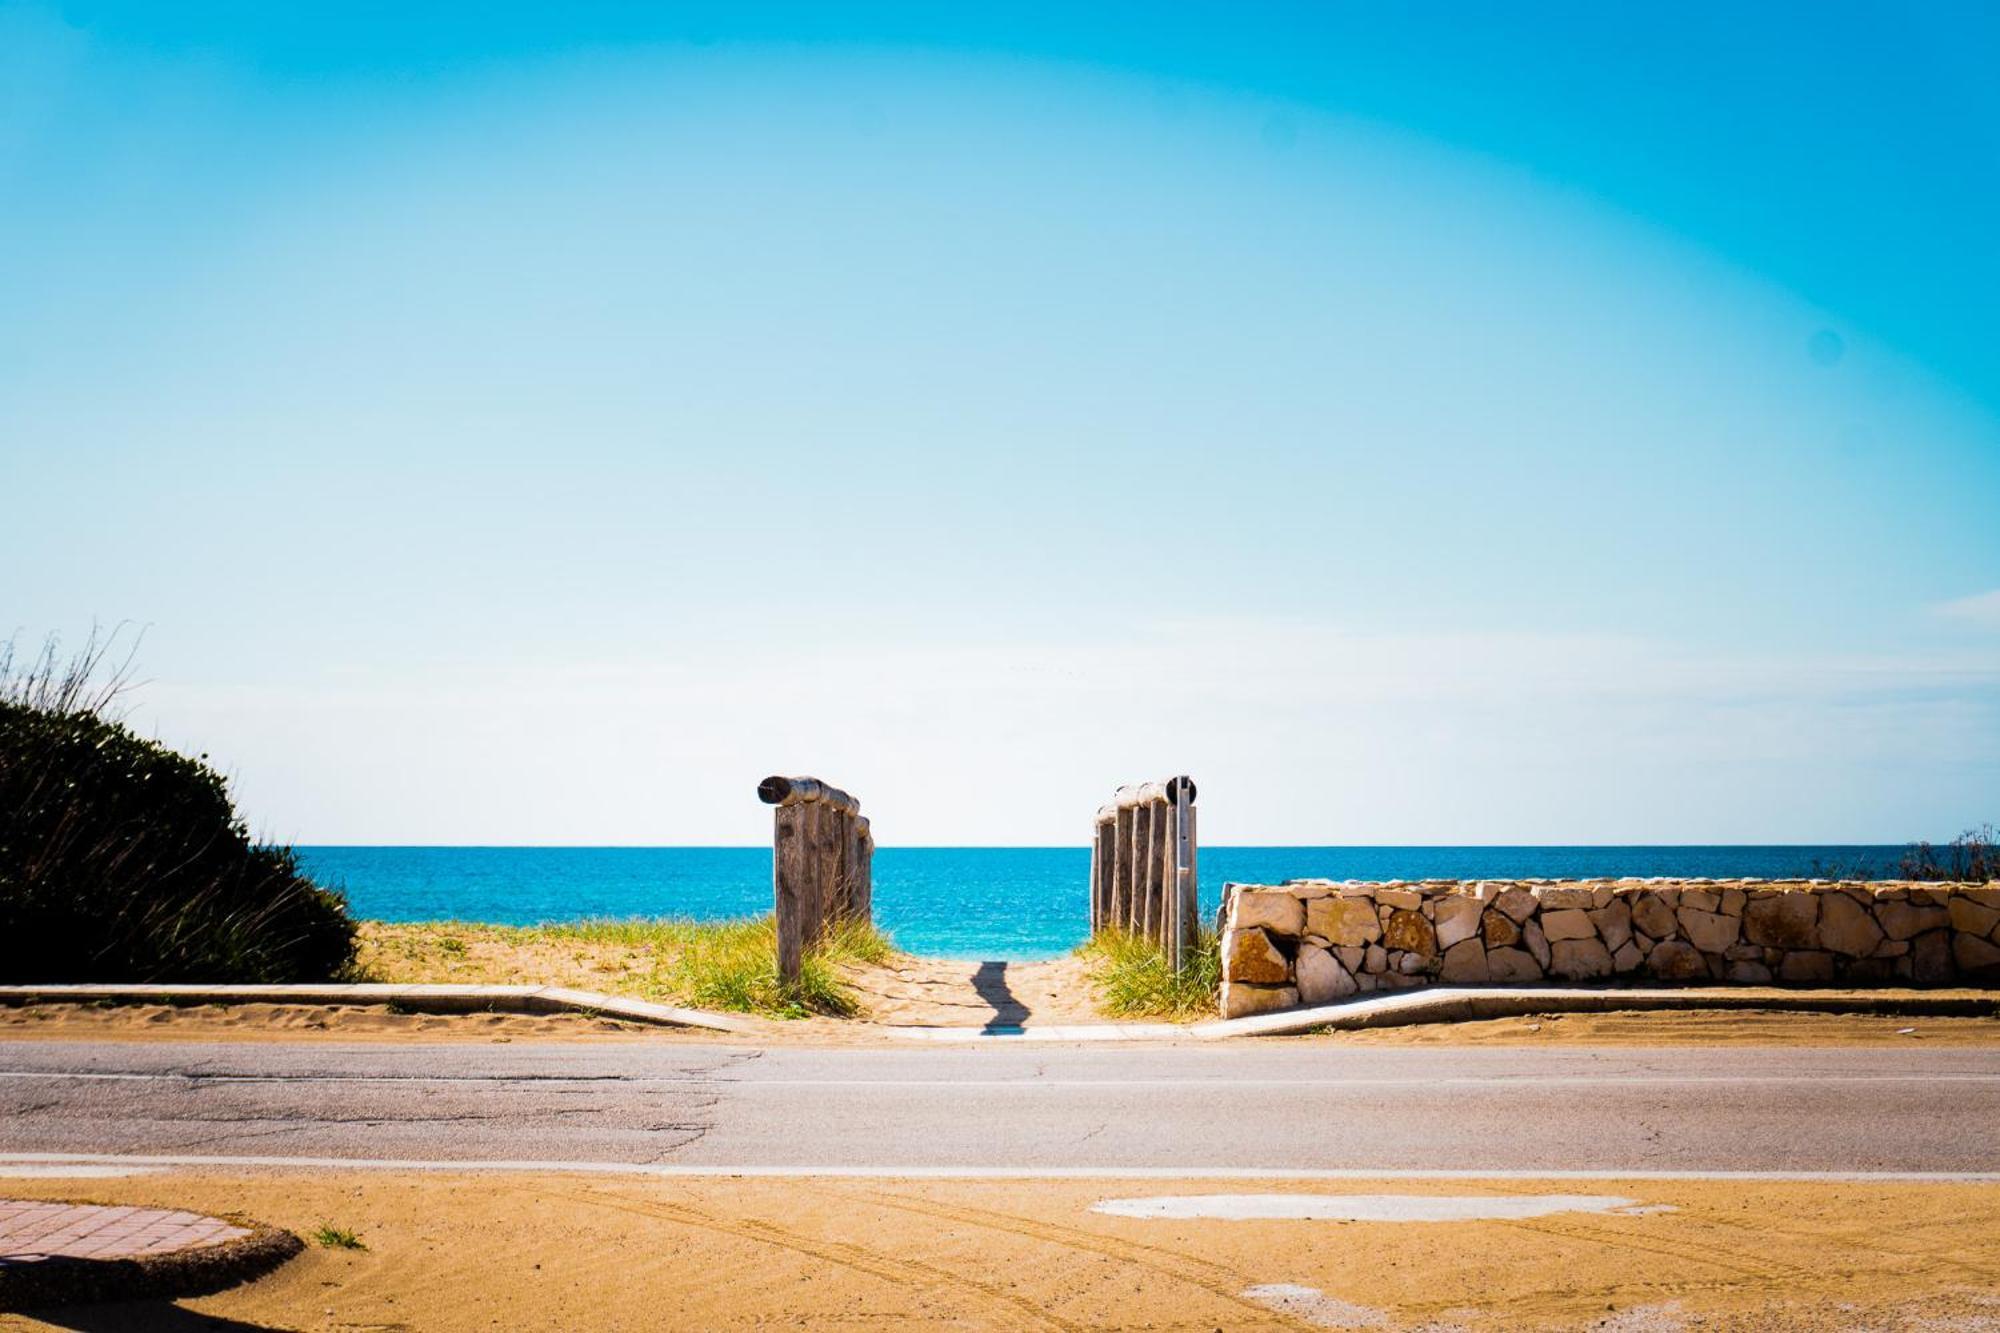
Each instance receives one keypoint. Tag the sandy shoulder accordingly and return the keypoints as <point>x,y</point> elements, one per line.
<point>463,1252</point>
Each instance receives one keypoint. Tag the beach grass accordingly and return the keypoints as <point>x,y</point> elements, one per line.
<point>1134,978</point>
<point>728,965</point>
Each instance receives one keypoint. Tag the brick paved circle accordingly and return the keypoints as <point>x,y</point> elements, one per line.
<point>66,1253</point>
<point>31,1232</point>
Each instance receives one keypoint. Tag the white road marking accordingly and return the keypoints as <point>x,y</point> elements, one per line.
<point>1222,1082</point>
<point>894,1172</point>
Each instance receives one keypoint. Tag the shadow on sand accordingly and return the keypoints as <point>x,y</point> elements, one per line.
<point>990,981</point>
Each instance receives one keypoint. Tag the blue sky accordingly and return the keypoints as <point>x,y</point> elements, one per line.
<point>1424,423</point>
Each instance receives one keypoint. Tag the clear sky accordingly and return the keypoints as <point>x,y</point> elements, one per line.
<point>1420,422</point>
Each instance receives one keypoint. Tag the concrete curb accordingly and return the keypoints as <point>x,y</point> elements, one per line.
<point>433,999</point>
<point>1433,1004</point>
<point>1458,1004</point>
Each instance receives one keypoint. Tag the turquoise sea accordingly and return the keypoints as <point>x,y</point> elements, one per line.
<point>958,902</point>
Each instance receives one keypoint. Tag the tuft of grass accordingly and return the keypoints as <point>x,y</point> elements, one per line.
<point>1135,980</point>
<point>336,1238</point>
<point>708,964</point>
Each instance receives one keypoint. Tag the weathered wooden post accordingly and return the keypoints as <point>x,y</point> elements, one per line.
<point>822,859</point>
<point>1143,877</point>
<point>1185,897</point>
<point>1103,860</point>
<point>1123,894</point>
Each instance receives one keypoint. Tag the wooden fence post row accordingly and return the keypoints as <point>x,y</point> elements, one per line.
<point>822,864</point>
<point>1142,865</point>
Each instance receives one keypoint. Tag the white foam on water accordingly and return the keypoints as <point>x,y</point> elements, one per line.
<point>1360,1207</point>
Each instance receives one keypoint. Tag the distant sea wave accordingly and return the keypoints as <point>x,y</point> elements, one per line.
<point>961,902</point>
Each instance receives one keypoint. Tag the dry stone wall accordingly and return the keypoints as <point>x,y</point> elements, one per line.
<point>1315,941</point>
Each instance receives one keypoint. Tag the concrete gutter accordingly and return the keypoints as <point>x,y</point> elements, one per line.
<point>1459,1004</point>
<point>430,999</point>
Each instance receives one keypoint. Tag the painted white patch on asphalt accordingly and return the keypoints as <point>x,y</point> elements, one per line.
<point>70,1171</point>
<point>1359,1207</point>
<point>1314,1306</point>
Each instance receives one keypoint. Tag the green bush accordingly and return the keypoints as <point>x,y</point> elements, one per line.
<point>121,860</point>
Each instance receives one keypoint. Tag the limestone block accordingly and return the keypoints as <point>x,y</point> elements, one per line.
<point>1846,927</point>
<point>1518,903</point>
<point>1378,959</point>
<point>1321,977</point>
<point>1568,924</point>
<point>1783,921</point>
<point>1511,965</point>
<point>1279,913</point>
<point>1971,917</point>
<point>1651,914</point>
<point>1905,921</point>
<point>1409,931</point>
<point>1566,898</point>
<point>1349,921</point>
<point>1740,952</point>
<point>1710,932</point>
<point>1464,963</point>
<point>1892,948</point>
<point>1366,981</point>
<point>1602,896</point>
<point>1861,970</point>
<point>1985,897</point>
<point>1676,960</point>
<point>1409,964</point>
<point>1580,959</point>
<point>1627,956</point>
<point>1350,956</point>
<point>1239,1000</point>
<point>1457,919</point>
<point>1614,924</point>
<point>1537,942</point>
<point>1975,957</point>
<point>1403,900</point>
<point>1251,955</point>
<point>1732,902</point>
<point>1930,958</point>
<point>1499,930</point>
<point>1806,965</point>
<point>1700,900</point>
<point>1743,970</point>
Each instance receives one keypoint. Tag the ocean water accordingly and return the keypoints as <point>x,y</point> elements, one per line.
<point>958,902</point>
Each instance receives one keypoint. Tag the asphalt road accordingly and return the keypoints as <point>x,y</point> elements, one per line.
<point>1000,1106</point>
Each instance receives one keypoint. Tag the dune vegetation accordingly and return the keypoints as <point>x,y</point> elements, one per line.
<point>123,860</point>
<point>1134,978</point>
<point>705,964</point>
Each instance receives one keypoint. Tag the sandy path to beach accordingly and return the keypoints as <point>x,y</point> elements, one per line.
<point>460,1252</point>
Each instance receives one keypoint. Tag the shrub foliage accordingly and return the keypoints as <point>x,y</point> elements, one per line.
<point>1973,856</point>
<point>121,860</point>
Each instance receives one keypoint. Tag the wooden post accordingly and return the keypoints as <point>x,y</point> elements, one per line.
<point>817,875</point>
<point>1186,909</point>
<point>1124,889</point>
<point>1153,920</point>
<point>1103,855</point>
<point>862,901</point>
<point>790,870</point>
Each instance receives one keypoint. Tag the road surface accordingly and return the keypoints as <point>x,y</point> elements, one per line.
<point>1057,1109</point>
